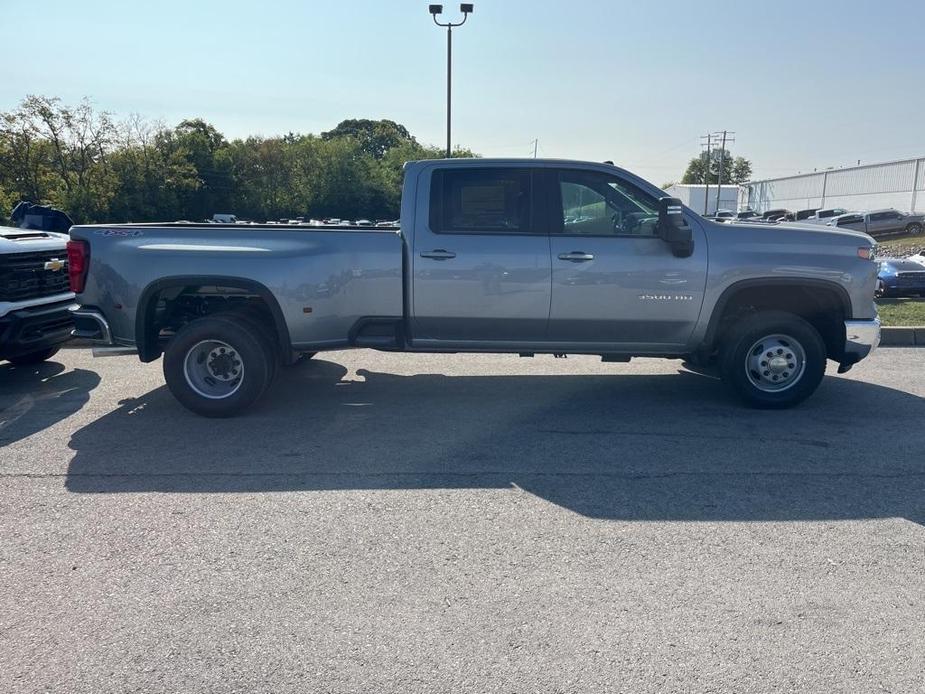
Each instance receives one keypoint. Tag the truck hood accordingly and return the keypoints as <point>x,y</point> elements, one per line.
<point>13,240</point>
<point>847,235</point>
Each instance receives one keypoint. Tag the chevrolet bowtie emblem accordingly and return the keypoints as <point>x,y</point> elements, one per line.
<point>54,264</point>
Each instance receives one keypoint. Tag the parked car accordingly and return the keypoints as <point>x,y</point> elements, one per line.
<point>900,277</point>
<point>747,214</point>
<point>220,218</point>
<point>851,220</point>
<point>35,298</point>
<point>774,215</point>
<point>494,255</point>
<point>881,222</point>
<point>805,214</point>
<point>829,212</point>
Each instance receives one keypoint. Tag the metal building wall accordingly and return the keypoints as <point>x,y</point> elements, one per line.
<point>898,184</point>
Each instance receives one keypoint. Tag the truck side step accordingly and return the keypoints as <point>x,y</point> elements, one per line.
<point>378,333</point>
<point>113,351</point>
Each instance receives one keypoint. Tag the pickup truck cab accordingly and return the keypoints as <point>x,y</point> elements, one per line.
<point>491,255</point>
<point>35,299</point>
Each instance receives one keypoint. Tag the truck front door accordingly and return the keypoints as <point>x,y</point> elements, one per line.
<point>615,284</point>
<point>480,257</point>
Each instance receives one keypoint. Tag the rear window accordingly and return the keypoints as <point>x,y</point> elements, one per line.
<point>490,200</point>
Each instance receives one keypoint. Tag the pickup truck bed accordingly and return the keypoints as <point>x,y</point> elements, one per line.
<point>323,280</point>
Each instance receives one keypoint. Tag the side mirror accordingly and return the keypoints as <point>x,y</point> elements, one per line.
<point>673,229</point>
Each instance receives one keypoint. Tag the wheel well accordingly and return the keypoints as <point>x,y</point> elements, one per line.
<point>166,308</point>
<point>821,306</point>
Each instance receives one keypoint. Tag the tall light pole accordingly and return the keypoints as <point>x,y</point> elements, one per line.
<point>466,8</point>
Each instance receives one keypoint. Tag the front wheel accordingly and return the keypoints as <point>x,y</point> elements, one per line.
<point>773,359</point>
<point>217,366</point>
<point>36,357</point>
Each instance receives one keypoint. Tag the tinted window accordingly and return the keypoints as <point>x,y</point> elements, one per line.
<point>480,200</point>
<point>849,220</point>
<point>879,216</point>
<point>597,204</point>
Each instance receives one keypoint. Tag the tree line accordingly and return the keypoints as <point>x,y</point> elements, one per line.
<point>99,169</point>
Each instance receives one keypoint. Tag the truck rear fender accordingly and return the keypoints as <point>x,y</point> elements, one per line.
<point>147,332</point>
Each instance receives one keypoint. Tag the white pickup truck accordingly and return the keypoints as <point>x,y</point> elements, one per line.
<point>34,295</point>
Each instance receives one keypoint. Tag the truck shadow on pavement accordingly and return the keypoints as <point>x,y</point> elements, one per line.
<point>632,447</point>
<point>33,398</point>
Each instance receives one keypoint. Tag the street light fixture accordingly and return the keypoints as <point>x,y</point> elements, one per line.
<point>466,8</point>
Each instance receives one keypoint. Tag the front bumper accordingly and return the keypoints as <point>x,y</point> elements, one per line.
<point>888,290</point>
<point>32,329</point>
<point>861,338</point>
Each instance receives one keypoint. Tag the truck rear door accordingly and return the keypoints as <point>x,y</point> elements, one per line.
<point>615,284</point>
<point>480,256</point>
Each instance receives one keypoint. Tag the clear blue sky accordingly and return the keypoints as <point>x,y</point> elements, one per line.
<point>804,84</point>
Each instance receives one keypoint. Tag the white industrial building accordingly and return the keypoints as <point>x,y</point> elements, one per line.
<point>899,184</point>
<point>702,198</point>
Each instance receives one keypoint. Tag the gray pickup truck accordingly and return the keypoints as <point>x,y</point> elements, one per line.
<point>520,256</point>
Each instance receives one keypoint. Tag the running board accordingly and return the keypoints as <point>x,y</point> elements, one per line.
<point>113,351</point>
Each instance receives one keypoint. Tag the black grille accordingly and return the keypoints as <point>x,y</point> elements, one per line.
<point>912,275</point>
<point>23,275</point>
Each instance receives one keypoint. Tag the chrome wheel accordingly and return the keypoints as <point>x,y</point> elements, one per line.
<point>775,363</point>
<point>213,369</point>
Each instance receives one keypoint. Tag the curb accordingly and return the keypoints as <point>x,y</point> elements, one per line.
<point>902,337</point>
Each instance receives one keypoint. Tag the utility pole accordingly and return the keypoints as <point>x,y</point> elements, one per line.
<point>722,156</point>
<point>536,143</point>
<point>466,8</point>
<point>706,174</point>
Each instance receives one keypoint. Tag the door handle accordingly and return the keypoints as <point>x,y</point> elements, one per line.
<point>576,256</point>
<point>438,254</point>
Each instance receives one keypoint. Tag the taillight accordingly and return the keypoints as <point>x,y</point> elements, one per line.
<point>78,262</point>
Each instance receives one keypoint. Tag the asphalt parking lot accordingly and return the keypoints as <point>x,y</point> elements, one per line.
<point>461,523</point>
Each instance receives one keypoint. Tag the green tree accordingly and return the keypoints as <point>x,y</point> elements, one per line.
<point>376,137</point>
<point>58,154</point>
<point>698,170</point>
<point>99,170</point>
<point>741,170</point>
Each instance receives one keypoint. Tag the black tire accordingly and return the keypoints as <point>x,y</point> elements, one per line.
<point>34,357</point>
<point>914,228</point>
<point>788,335</point>
<point>262,331</point>
<point>247,349</point>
